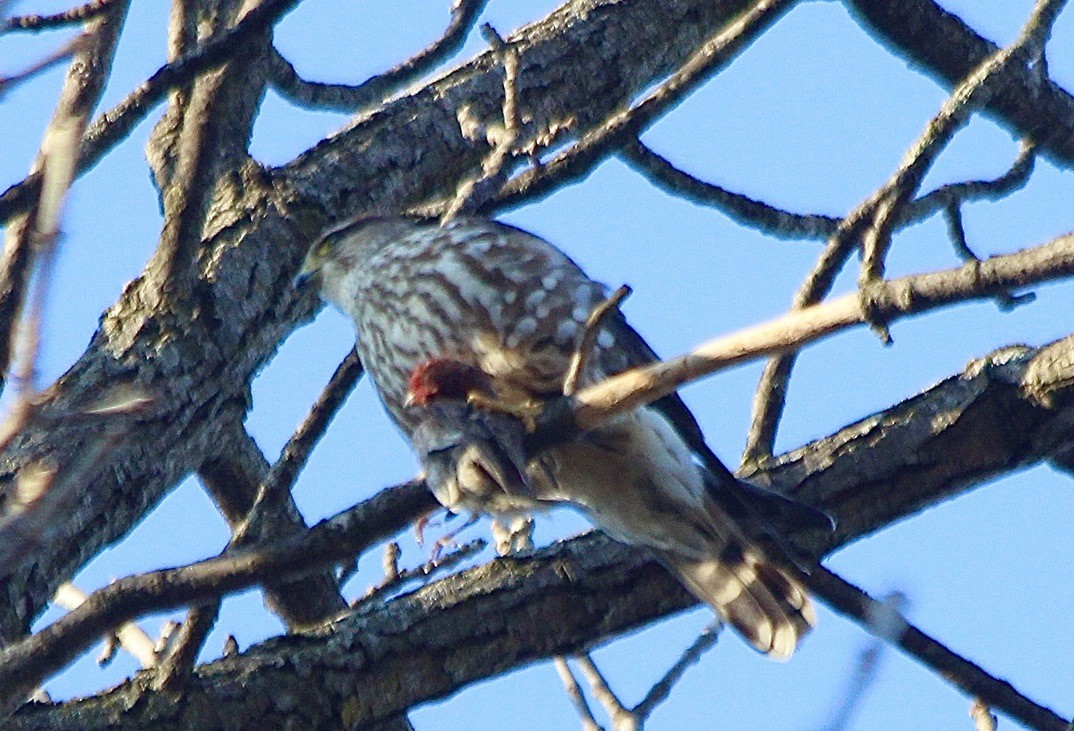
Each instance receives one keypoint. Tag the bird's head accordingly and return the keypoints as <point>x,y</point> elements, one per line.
<point>445,378</point>
<point>344,249</point>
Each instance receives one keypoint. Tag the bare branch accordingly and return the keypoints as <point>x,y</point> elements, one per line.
<point>622,719</point>
<point>347,98</point>
<point>473,192</point>
<point>574,693</point>
<point>78,14</point>
<point>622,127</point>
<point>854,603</point>
<point>281,478</point>
<point>941,44</point>
<point>115,124</point>
<point>886,628</point>
<point>31,238</point>
<point>740,208</point>
<point>873,220</point>
<point>969,95</point>
<point>662,688</point>
<point>131,637</point>
<point>233,475</point>
<point>590,331</point>
<point>177,664</point>
<point>887,300</point>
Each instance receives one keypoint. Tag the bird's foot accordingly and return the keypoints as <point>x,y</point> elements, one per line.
<point>527,411</point>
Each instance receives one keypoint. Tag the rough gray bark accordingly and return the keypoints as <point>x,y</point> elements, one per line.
<point>1010,409</point>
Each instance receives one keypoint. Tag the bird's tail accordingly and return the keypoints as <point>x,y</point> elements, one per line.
<point>767,606</point>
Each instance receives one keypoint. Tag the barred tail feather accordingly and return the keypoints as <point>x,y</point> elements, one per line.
<point>767,607</point>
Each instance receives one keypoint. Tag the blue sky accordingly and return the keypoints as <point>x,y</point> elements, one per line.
<point>813,117</point>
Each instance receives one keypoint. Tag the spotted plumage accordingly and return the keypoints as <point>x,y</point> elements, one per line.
<point>511,306</point>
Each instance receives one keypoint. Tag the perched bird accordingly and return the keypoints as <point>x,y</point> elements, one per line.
<point>511,307</point>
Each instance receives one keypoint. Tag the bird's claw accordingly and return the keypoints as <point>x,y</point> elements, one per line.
<point>525,411</point>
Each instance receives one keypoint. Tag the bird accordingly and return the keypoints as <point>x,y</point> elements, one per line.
<point>474,459</point>
<point>511,308</point>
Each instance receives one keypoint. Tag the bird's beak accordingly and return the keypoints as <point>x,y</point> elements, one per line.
<point>309,270</point>
<point>408,401</point>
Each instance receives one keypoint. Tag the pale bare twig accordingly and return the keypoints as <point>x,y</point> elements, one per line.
<point>438,564</point>
<point>574,693</point>
<point>790,332</point>
<point>622,719</point>
<point>983,718</point>
<point>473,192</point>
<point>130,636</point>
<point>178,661</point>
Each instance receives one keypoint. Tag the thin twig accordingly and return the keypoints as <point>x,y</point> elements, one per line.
<point>473,192</point>
<point>619,129</point>
<point>574,693</point>
<point>61,54</point>
<point>79,14</point>
<point>968,96</point>
<point>854,603</point>
<point>176,665</point>
<point>885,628</point>
<point>281,477</point>
<point>662,688</point>
<point>115,124</point>
<point>424,572</point>
<point>740,208</point>
<point>590,331</point>
<point>348,98</point>
<point>872,223</point>
<point>776,222</point>
<point>622,719</point>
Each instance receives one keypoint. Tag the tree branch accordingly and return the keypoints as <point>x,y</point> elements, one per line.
<point>942,45</point>
<point>347,98</point>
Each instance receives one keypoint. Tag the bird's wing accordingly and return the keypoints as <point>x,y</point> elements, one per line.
<point>745,502</point>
